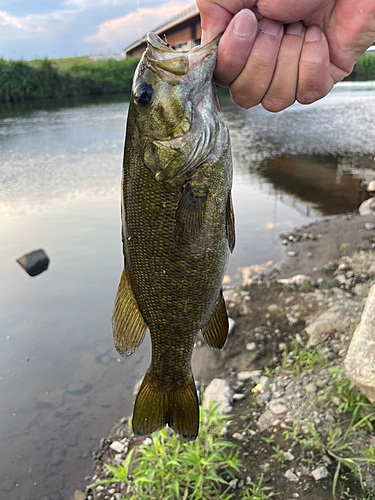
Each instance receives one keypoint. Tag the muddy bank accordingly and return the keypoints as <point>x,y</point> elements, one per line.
<point>284,361</point>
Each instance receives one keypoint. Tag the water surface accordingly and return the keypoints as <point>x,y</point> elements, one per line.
<point>62,383</point>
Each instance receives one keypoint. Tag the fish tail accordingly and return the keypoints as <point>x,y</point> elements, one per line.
<point>157,406</point>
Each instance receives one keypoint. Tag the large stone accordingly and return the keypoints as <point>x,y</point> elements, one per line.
<point>371,187</point>
<point>360,359</point>
<point>335,317</point>
<point>367,207</point>
<point>34,262</point>
<point>219,391</point>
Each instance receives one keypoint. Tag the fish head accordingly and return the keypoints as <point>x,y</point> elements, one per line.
<point>169,92</point>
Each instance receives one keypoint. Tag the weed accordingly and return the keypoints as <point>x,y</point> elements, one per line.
<point>306,286</point>
<point>258,492</point>
<point>300,359</point>
<point>350,398</point>
<point>269,440</point>
<point>169,468</point>
<point>339,446</point>
<point>279,455</point>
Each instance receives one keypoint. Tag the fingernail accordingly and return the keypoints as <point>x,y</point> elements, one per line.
<point>294,29</point>
<point>270,27</point>
<point>313,34</point>
<point>244,23</point>
<point>203,37</point>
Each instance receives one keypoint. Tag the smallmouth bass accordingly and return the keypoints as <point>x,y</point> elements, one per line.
<point>178,229</point>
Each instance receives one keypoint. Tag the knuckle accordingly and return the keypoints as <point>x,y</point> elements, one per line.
<point>275,104</point>
<point>308,96</point>
<point>242,100</point>
<point>314,65</point>
<point>262,62</point>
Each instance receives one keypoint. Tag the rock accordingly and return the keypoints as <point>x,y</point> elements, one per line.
<point>251,346</point>
<point>310,388</point>
<point>219,391</point>
<point>117,447</point>
<point>265,420</point>
<point>367,207</point>
<point>231,325</point>
<point>360,359</point>
<point>320,473</point>
<point>238,397</point>
<point>245,376</point>
<point>341,279</point>
<point>233,483</point>
<point>291,253</point>
<point>289,474</point>
<point>237,436</point>
<point>326,324</point>
<point>264,382</point>
<point>273,308</point>
<point>288,456</point>
<point>80,495</point>
<point>34,262</point>
<point>277,406</point>
<point>298,279</point>
<point>369,226</point>
<point>147,441</point>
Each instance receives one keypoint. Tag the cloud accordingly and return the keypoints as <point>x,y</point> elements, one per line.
<point>95,4</point>
<point>13,28</point>
<point>124,30</point>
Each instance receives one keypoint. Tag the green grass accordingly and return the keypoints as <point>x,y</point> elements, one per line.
<point>256,491</point>
<point>364,69</point>
<point>351,400</point>
<point>170,468</point>
<point>45,78</point>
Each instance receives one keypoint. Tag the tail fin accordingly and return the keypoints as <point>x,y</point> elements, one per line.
<point>157,406</point>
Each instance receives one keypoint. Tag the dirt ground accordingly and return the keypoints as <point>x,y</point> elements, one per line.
<point>315,247</point>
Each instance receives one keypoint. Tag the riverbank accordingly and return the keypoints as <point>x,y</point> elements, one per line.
<point>81,76</point>
<point>41,79</point>
<point>299,423</point>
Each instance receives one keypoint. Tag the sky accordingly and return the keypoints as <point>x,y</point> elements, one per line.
<point>32,29</point>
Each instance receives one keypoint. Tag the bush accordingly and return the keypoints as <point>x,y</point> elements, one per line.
<point>20,80</point>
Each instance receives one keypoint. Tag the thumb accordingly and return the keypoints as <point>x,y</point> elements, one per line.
<point>214,19</point>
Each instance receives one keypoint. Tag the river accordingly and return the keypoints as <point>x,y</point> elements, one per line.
<point>62,383</point>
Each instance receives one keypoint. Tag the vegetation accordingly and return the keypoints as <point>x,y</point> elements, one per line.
<point>20,80</point>
<point>169,468</point>
<point>364,68</point>
<point>77,76</point>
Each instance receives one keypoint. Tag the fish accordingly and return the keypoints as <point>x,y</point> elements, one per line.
<point>177,229</point>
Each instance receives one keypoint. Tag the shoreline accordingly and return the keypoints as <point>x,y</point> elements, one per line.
<point>274,316</point>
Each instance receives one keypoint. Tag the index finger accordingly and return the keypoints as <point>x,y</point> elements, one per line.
<point>217,14</point>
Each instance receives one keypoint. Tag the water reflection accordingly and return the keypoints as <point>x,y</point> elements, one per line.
<point>62,383</point>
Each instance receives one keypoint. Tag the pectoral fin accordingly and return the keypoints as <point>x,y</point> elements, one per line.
<point>216,331</point>
<point>189,214</point>
<point>128,325</point>
<point>231,234</point>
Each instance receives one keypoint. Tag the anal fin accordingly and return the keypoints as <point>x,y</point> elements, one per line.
<point>215,333</point>
<point>157,405</point>
<point>128,325</point>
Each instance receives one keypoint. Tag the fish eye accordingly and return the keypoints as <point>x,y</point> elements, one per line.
<point>143,94</point>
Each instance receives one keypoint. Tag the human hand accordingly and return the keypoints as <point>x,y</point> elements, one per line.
<point>283,50</point>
